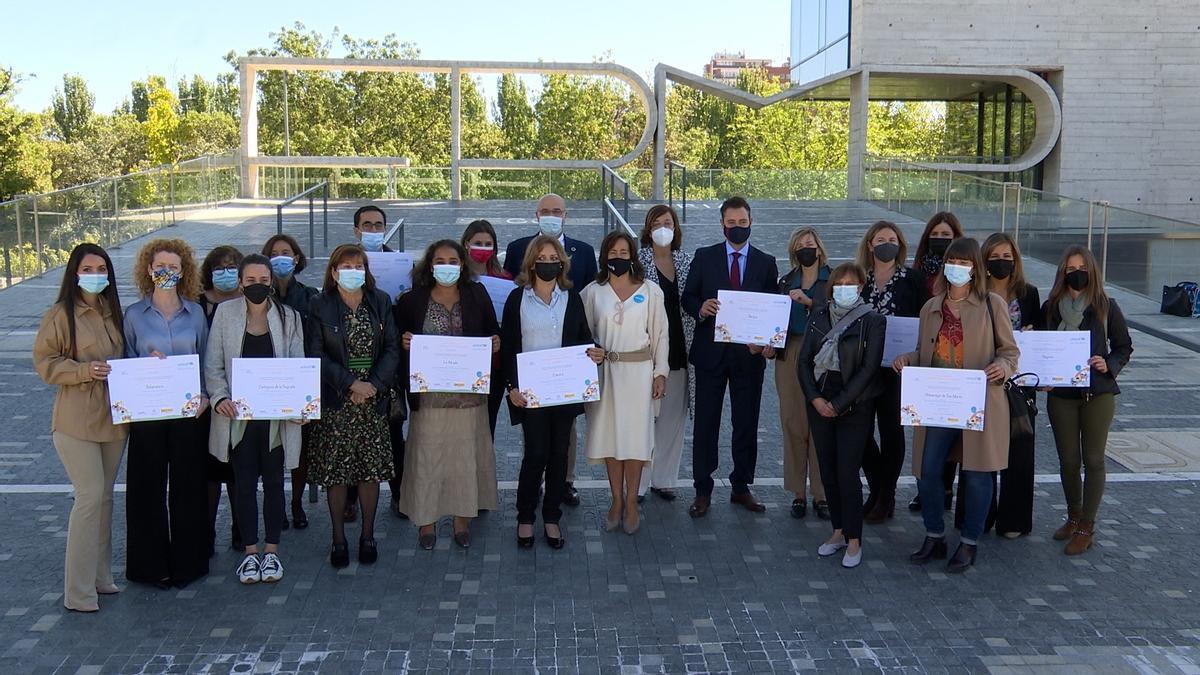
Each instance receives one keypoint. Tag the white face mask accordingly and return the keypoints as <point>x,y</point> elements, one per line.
<point>958,275</point>
<point>663,236</point>
<point>550,225</point>
<point>845,296</point>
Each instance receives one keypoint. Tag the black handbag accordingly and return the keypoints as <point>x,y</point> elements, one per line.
<point>1178,300</point>
<point>1022,399</point>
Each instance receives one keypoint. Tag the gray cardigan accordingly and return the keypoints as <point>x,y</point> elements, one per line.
<point>224,345</point>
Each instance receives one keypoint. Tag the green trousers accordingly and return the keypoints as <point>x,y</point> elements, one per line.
<point>1081,434</point>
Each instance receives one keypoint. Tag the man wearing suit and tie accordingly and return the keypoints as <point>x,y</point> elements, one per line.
<point>730,265</point>
<point>551,212</point>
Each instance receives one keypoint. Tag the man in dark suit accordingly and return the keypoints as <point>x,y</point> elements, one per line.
<point>551,213</point>
<point>730,265</point>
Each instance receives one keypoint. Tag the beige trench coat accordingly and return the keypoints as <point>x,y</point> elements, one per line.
<point>983,345</point>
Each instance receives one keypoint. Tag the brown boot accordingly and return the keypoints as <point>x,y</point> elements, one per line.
<point>1068,528</point>
<point>1082,539</point>
<point>883,509</point>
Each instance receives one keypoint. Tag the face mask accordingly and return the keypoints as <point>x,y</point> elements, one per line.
<point>737,235</point>
<point>481,254</point>
<point>256,293</point>
<point>165,278</point>
<point>618,266</point>
<point>547,271</point>
<point>446,275</point>
<point>958,275</point>
<point>550,225</point>
<point>938,247</point>
<point>93,283</point>
<point>373,241</point>
<point>225,280</point>
<point>663,236</point>
<point>283,265</point>
<point>350,279</point>
<point>845,296</point>
<point>1077,280</point>
<point>1000,268</point>
<point>886,253</point>
<point>807,257</point>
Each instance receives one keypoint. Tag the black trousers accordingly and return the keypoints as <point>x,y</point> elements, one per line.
<point>396,431</point>
<point>547,435</point>
<point>883,461</point>
<point>252,459</point>
<point>742,373</point>
<point>166,502</point>
<point>840,443</point>
<point>1014,509</point>
<point>495,397</point>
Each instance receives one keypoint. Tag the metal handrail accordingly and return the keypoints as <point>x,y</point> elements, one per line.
<point>671,166</point>
<point>397,228</point>
<point>608,190</point>
<point>323,186</point>
<point>613,219</point>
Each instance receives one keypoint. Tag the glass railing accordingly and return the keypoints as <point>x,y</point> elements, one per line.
<point>38,232</point>
<point>767,184</point>
<point>1137,251</point>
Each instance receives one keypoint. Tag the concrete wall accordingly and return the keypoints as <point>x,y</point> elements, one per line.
<point>1129,82</point>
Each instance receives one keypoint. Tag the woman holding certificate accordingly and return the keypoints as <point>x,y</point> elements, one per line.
<point>449,463</point>
<point>479,241</point>
<point>628,320</point>
<point>78,335</point>
<point>350,328</point>
<point>1081,417</point>
<point>837,364</point>
<point>963,326</point>
<point>255,325</point>
<point>168,539</point>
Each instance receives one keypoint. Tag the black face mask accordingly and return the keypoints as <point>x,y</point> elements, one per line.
<point>547,271</point>
<point>1000,268</point>
<point>256,293</point>
<point>1077,280</point>
<point>737,235</point>
<point>886,253</point>
<point>618,266</point>
<point>937,247</point>
<point>807,257</point>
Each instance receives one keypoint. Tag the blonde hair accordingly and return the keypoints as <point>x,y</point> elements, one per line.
<point>866,260</point>
<point>794,240</point>
<point>526,276</point>
<point>188,286</point>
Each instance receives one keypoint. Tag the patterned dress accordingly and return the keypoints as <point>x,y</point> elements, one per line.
<point>352,444</point>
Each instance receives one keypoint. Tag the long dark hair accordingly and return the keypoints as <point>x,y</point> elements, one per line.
<point>938,218</point>
<point>964,248</point>
<point>69,292</point>
<point>423,270</point>
<point>636,272</point>
<point>1096,296</point>
<point>259,259</point>
<point>1017,286</point>
<point>482,226</point>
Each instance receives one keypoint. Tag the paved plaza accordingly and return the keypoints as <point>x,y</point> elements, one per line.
<point>734,592</point>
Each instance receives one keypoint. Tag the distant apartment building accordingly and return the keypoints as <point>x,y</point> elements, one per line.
<point>726,67</point>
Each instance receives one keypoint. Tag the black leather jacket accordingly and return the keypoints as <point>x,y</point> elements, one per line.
<point>1110,340</point>
<point>325,338</point>
<point>860,351</point>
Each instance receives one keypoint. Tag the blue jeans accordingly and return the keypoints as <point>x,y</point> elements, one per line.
<point>978,492</point>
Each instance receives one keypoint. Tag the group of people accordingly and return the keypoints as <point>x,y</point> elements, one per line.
<point>644,310</point>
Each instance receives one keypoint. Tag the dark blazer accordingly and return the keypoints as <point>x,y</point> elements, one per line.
<point>1031,307</point>
<point>583,260</point>
<point>1110,340</point>
<point>325,338</point>
<point>708,274</point>
<point>299,297</point>
<point>575,332</point>
<point>478,317</point>
<point>909,294</point>
<point>860,351</point>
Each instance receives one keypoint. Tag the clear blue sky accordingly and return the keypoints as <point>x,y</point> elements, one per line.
<point>111,44</point>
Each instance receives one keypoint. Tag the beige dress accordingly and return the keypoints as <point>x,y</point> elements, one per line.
<point>449,461</point>
<point>621,424</point>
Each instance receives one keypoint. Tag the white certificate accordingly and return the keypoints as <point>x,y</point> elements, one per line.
<point>942,397</point>
<point>558,377</point>
<point>900,338</point>
<point>392,271</point>
<point>154,389</point>
<point>450,364</point>
<point>276,389</point>
<point>752,318</point>
<point>1058,358</point>
<point>498,290</point>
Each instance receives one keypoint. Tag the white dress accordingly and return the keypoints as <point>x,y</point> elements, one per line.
<point>621,424</point>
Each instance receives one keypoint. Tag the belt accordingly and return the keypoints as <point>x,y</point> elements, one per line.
<point>642,354</point>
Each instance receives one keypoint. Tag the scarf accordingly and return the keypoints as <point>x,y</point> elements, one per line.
<point>931,264</point>
<point>1071,311</point>
<point>827,357</point>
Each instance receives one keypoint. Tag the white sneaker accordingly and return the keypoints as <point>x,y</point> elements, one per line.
<point>249,572</point>
<point>826,550</point>
<point>848,561</point>
<point>272,569</point>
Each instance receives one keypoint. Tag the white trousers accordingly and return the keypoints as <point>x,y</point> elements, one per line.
<point>669,429</point>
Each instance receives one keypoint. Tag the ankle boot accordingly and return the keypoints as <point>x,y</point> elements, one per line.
<point>884,508</point>
<point>933,548</point>
<point>963,558</point>
<point>1081,539</point>
<point>1068,528</point>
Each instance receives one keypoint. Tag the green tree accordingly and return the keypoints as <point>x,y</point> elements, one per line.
<point>115,145</point>
<point>24,159</point>
<point>73,108</point>
<point>516,117</point>
<point>162,125</point>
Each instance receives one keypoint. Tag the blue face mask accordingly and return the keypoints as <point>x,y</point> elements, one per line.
<point>845,296</point>
<point>446,275</point>
<point>93,283</point>
<point>350,279</point>
<point>225,280</point>
<point>373,241</point>
<point>550,225</point>
<point>283,265</point>
<point>957,275</point>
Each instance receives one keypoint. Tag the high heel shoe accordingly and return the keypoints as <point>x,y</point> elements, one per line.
<point>524,542</point>
<point>339,557</point>
<point>632,529</point>
<point>554,542</point>
<point>611,524</point>
<point>933,548</point>
<point>427,541</point>
<point>964,557</point>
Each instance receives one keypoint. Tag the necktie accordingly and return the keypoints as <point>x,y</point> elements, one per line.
<point>735,273</point>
